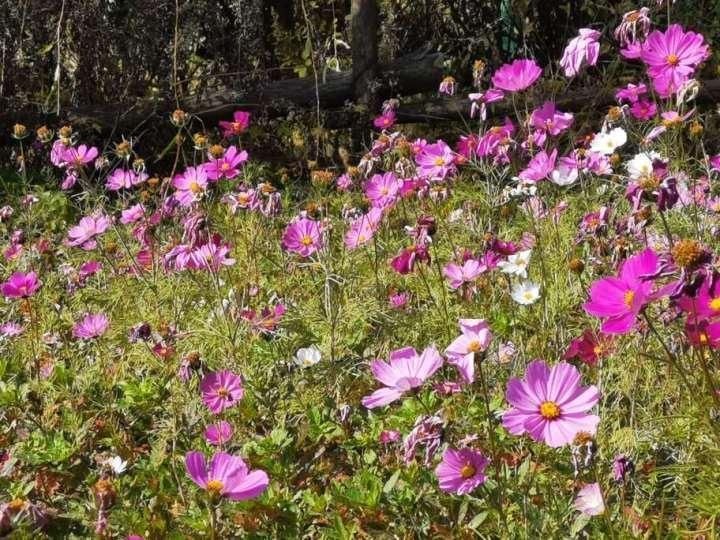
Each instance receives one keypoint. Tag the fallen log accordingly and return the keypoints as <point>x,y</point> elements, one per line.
<point>410,74</point>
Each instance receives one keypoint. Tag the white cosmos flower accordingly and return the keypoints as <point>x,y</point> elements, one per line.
<point>117,464</point>
<point>307,356</point>
<point>564,175</point>
<point>607,142</point>
<point>525,293</point>
<point>517,263</point>
<point>641,165</point>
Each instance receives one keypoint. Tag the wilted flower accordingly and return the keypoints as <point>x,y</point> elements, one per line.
<point>582,50</point>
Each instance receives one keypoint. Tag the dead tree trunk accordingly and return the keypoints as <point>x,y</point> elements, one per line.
<point>364,43</point>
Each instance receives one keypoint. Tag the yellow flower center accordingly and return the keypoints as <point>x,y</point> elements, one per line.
<point>672,59</point>
<point>225,166</point>
<point>629,298</point>
<point>528,295</point>
<point>306,240</point>
<point>195,187</point>
<point>215,486</point>
<point>474,346</point>
<point>549,410</point>
<point>703,338</point>
<point>715,304</point>
<point>468,471</point>
<point>223,392</point>
<point>439,161</point>
<point>237,127</point>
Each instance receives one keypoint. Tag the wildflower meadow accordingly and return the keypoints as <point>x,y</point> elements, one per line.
<point>506,325</point>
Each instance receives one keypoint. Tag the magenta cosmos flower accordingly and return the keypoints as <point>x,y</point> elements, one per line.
<point>618,300</point>
<point>227,476</point>
<point>84,233</point>
<point>475,338</point>
<point>228,166</point>
<point>549,404</point>
<point>20,285</point>
<point>583,49</point>
<point>517,76</point>
<point>540,167</point>
<point>221,390</point>
<point>241,121</point>
<point>78,157</point>
<point>461,471</point>
<point>218,434</point>
<point>405,371</point>
<point>91,326</point>
<point>672,56</point>
<point>303,236</point>
<point>458,275</point>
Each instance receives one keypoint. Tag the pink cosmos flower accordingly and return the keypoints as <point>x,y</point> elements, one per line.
<point>549,120</point>
<point>583,49</point>
<point>458,275</point>
<point>227,476</point>
<point>228,166</point>
<point>11,329</point>
<point>221,390</point>
<point>480,100</point>
<point>219,433</point>
<point>643,109</point>
<point>632,51</point>
<point>132,214</point>
<point>84,233</point>
<point>382,190</point>
<point>241,121</point>
<point>91,326</point>
<point>88,269</point>
<point>618,300</point>
<point>405,371</point>
<point>549,404</point>
<point>386,120</point>
<point>436,160</point>
<point>672,56</point>
<point>540,167</point>
<point>20,285</point>
<point>388,436</point>
<point>124,179</point>
<point>517,76</point>
<point>589,500</point>
<point>631,93</point>
<point>303,236</point>
<point>398,300</point>
<point>78,157</point>
<point>212,255</point>
<point>475,338</point>
<point>362,229</point>
<point>190,185</point>
<point>461,471</point>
